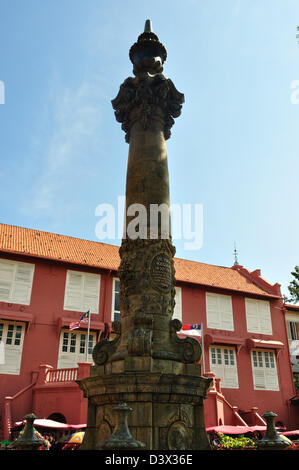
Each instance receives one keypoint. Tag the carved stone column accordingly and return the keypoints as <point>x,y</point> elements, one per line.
<point>147,365</point>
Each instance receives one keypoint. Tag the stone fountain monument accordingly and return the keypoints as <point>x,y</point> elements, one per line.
<point>147,366</point>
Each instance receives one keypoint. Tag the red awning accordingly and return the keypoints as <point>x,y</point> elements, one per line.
<point>49,423</point>
<point>265,344</point>
<point>290,433</point>
<point>235,429</point>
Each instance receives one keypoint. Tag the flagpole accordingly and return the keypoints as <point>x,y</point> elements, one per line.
<point>202,349</point>
<point>88,328</point>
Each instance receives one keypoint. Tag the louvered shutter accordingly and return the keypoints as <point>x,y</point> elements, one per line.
<point>259,378</point>
<point>6,280</point>
<point>231,377</point>
<point>230,369</point>
<point>264,370</point>
<point>213,316</point>
<point>216,363</point>
<point>223,364</point>
<point>21,290</point>
<point>252,318</point>
<point>177,312</point>
<point>271,379</point>
<point>73,291</point>
<point>82,292</point>
<point>264,317</point>
<point>12,336</point>
<point>226,312</point>
<point>72,348</point>
<point>91,289</point>
<point>16,282</point>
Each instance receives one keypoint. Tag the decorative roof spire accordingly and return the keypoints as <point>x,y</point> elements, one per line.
<point>235,255</point>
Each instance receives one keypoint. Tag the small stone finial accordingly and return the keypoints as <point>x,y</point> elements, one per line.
<point>121,438</point>
<point>148,27</point>
<point>271,440</point>
<point>27,440</point>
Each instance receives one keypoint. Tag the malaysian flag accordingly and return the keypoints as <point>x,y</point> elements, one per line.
<point>191,330</point>
<point>83,319</point>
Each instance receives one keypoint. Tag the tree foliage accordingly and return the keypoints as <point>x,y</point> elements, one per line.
<point>294,286</point>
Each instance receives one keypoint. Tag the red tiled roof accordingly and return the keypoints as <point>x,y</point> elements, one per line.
<point>291,307</point>
<point>36,243</point>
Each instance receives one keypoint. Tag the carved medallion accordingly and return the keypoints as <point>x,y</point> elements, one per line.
<point>161,272</point>
<point>179,437</point>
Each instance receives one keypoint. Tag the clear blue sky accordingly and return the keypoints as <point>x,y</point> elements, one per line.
<point>234,149</point>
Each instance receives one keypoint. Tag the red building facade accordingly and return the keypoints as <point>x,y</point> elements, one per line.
<point>47,281</point>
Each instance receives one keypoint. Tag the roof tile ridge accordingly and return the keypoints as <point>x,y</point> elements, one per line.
<point>256,278</point>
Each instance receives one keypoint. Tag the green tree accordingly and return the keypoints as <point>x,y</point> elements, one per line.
<point>294,286</point>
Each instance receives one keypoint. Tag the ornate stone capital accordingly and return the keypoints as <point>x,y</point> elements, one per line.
<point>147,98</point>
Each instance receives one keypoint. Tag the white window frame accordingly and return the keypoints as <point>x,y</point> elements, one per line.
<point>15,283</point>
<point>220,315</point>
<point>223,363</point>
<point>12,335</point>
<point>178,310</point>
<point>72,347</point>
<point>82,293</point>
<point>113,310</point>
<point>258,316</point>
<point>264,370</point>
<point>292,321</point>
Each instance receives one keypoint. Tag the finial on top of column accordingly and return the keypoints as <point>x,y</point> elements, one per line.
<point>148,53</point>
<point>148,27</point>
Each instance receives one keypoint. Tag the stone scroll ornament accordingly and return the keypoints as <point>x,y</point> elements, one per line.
<point>146,105</point>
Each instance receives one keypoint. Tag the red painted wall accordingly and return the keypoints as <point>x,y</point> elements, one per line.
<point>245,397</point>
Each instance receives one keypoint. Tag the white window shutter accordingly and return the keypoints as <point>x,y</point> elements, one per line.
<point>16,281</point>
<point>82,292</point>
<point>219,311</point>
<point>115,311</point>
<point>177,312</point>
<point>231,377</point>
<point>213,317</point>
<point>72,354</point>
<point>264,370</point>
<point>218,370</point>
<point>20,293</point>
<point>4,291</point>
<point>6,279</point>
<point>223,364</point>
<point>91,293</point>
<point>271,379</point>
<point>6,271</point>
<point>264,317</point>
<point>73,291</point>
<point>252,318</point>
<point>259,378</point>
<point>226,312</point>
<point>12,348</point>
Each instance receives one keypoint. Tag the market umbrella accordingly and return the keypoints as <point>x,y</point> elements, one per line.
<point>76,438</point>
<point>74,441</point>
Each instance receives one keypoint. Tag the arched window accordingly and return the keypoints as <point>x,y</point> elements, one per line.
<point>57,417</point>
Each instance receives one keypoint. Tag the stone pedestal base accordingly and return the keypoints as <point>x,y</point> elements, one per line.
<point>166,398</point>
